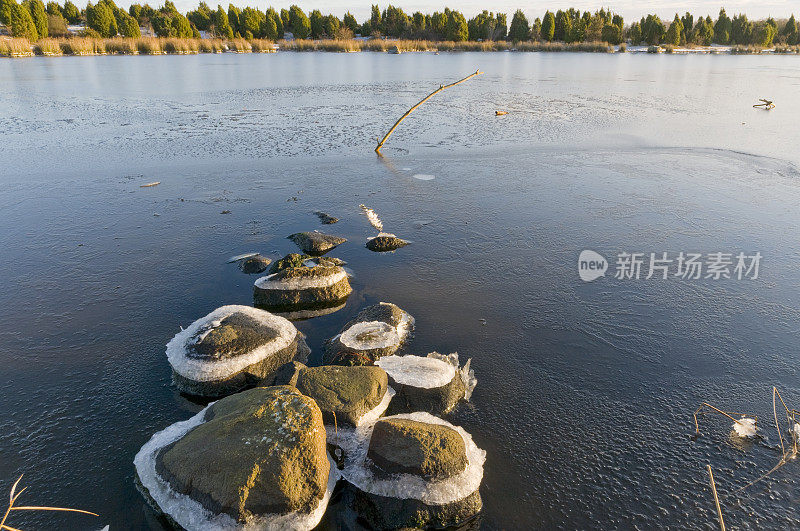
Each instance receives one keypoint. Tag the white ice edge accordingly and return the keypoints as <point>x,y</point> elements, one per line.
<point>386,336</point>
<point>407,486</point>
<point>190,514</point>
<point>204,370</point>
<point>417,371</point>
<point>405,325</point>
<point>300,283</point>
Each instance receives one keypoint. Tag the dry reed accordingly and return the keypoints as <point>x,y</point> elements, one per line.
<point>12,499</point>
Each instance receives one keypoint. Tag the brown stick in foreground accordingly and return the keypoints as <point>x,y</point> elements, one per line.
<point>716,498</point>
<point>12,498</point>
<point>426,98</point>
<point>706,404</point>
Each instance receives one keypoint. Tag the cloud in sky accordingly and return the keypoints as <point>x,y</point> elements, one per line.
<point>629,9</point>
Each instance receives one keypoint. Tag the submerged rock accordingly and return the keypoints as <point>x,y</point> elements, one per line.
<point>254,460</point>
<point>254,264</point>
<point>346,395</point>
<point>302,288</point>
<point>412,471</point>
<point>326,219</point>
<point>434,383</point>
<point>385,242</point>
<point>232,348</point>
<point>316,243</point>
<point>378,330</point>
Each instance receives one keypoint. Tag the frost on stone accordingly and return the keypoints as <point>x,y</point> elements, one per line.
<point>205,370</point>
<point>466,372</point>
<point>745,427</point>
<point>190,514</point>
<point>358,470</point>
<point>418,371</point>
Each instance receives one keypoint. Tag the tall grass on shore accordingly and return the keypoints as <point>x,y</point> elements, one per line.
<point>240,46</point>
<point>786,48</point>
<point>48,47</point>
<point>211,46</point>
<point>15,48</point>
<point>148,46</point>
<point>262,46</point>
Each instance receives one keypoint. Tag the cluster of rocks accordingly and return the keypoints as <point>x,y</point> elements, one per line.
<point>269,452</point>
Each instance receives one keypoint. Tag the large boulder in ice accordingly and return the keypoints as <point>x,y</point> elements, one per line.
<point>288,261</point>
<point>413,484</point>
<point>385,242</point>
<point>286,374</point>
<point>254,460</point>
<point>232,348</point>
<point>378,330</point>
<point>405,446</point>
<point>346,395</point>
<point>434,383</point>
<point>302,288</point>
<point>316,243</point>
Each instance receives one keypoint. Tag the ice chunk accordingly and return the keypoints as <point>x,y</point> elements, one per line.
<point>370,335</point>
<point>745,427</point>
<point>467,374</point>
<point>269,282</point>
<point>417,371</point>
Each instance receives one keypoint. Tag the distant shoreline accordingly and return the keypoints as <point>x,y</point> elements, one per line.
<point>82,46</point>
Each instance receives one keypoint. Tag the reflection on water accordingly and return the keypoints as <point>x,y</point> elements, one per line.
<point>586,390</point>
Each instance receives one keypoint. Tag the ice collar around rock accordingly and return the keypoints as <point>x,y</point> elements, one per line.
<point>204,370</point>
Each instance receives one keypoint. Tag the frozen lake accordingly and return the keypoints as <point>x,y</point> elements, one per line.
<point>585,390</point>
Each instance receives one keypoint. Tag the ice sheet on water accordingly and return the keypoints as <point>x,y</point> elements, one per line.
<point>204,370</point>
<point>418,371</point>
<point>423,177</point>
<point>370,335</point>
<point>269,282</point>
<point>190,514</point>
<point>357,470</point>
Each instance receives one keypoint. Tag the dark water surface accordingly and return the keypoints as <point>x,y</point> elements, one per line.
<point>585,390</point>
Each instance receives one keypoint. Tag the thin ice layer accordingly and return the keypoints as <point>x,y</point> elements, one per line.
<point>370,335</point>
<point>201,370</point>
<point>190,514</point>
<point>268,282</point>
<point>417,371</point>
<point>405,325</point>
<point>357,468</point>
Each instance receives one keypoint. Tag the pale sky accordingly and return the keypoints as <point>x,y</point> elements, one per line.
<point>629,9</point>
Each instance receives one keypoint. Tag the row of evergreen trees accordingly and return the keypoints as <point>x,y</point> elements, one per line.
<point>738,30</point>
<point>34,20</point>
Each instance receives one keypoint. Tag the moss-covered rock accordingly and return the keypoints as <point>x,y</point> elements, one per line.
<point>286,374</point>
<point>378,330</point>
<point>383,243</point>
<point>287,262</point>
<point>316,243</point>
<point>344,394</point>
<point>325,219</point>
<point>405,446</point>
<point>254,264</point>
<point>232,348</point>
<point>257,453</point>
<point>302,288</point>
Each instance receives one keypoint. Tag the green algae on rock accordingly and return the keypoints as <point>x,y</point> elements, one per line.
<point>254,460</point>
<point>232,348</point>
<point>385,242</point>
<point>254,264</point>
<point>378,330</point>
